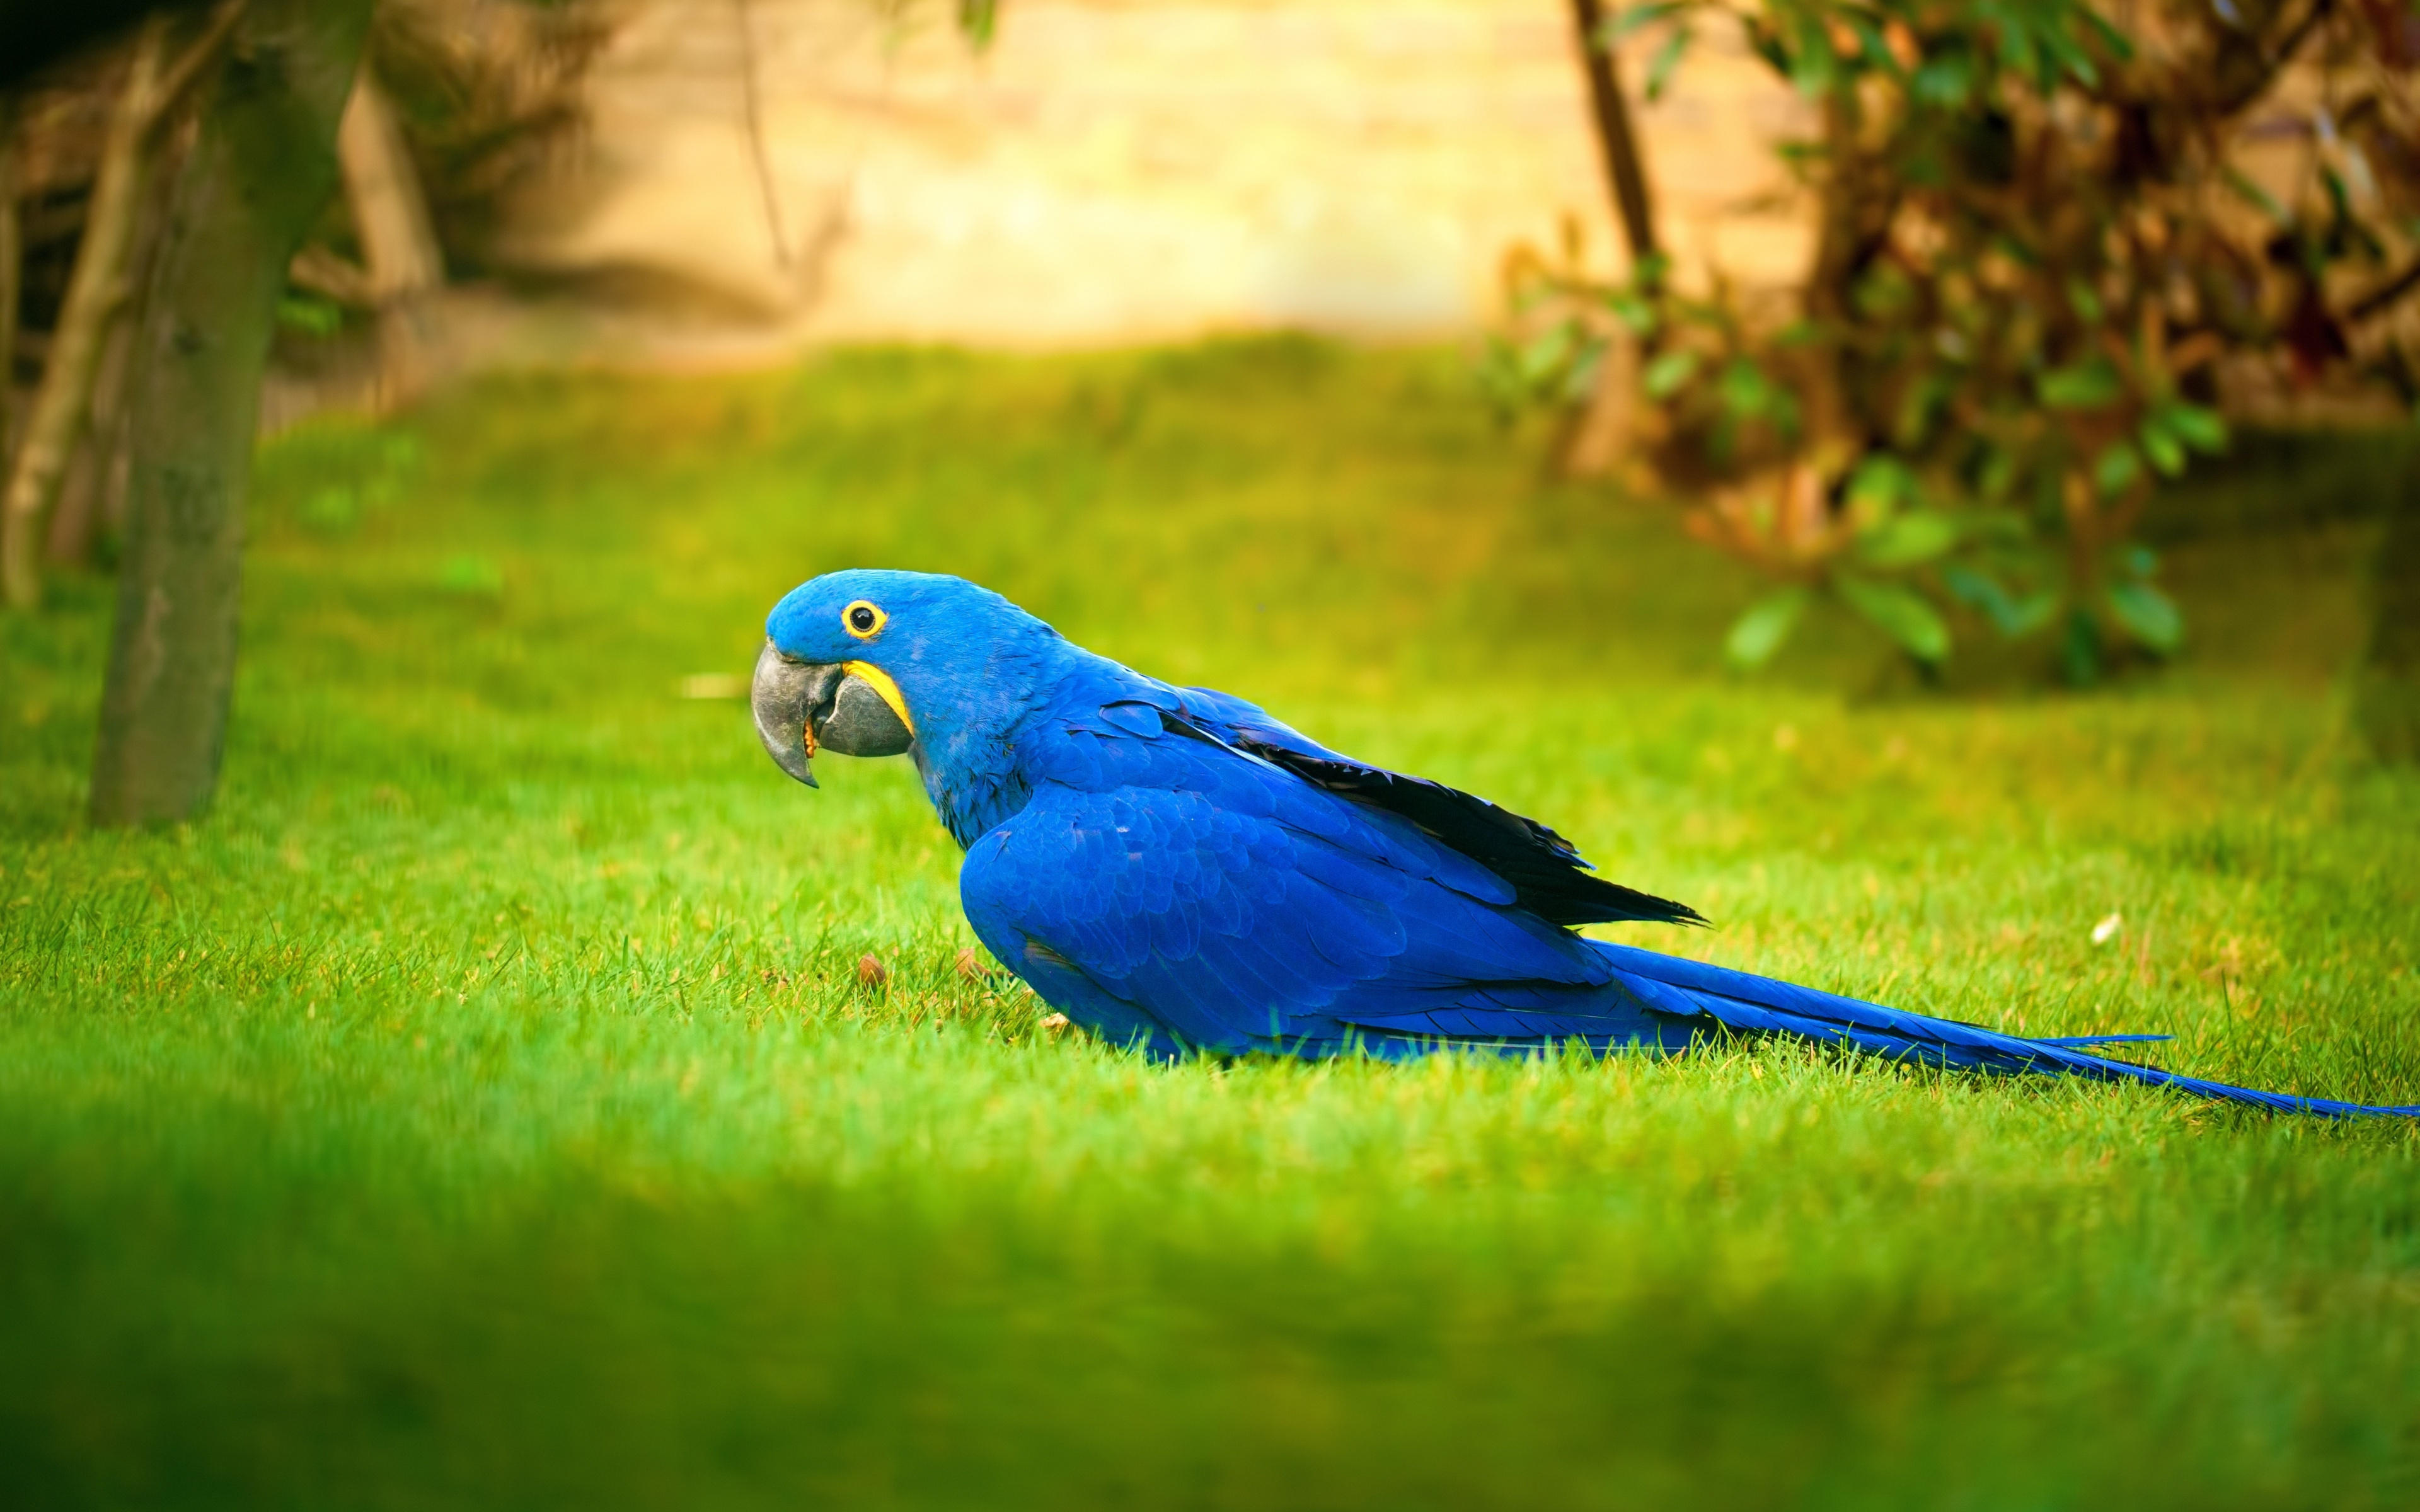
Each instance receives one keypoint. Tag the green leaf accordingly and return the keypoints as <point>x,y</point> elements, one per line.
<point>1920,408</point>
<point>1812,67</point>
<point>1500,380</point>
<point>1919,536</point>
<point>2015,249</point>
<point>2027,614</point>
<point>2084,385</point>
<point>1784,415</point>
<point>1761,630</point>
<point>2112,40</point>
<point>979,21</point>
<point>2018,53</point>
<point>1745,391</point>
<point>1665,376</point>
<point>309,313</point>
<point>1667,57</point>
<point>1766,43</point>
<point>1637,17</point>
<point>2167,452</point>
<point>2255,196</point>
<point>1973,585</point>
<point>1882,292</point>
<point>2030,613</point>
<point>2117,469</point>
<point>1945,81</point>
<point>2197,427</point>
<point>1880,483</point>
<point>2148,615</point>
<point>1545,355</point>
<point>1872,46</point>
<point>1998,471</point>
<point>1633,311</point>
<point>2084,303</point>
<point>2060,48</point>
<point>1901,613</point>
<point>2012,616</point>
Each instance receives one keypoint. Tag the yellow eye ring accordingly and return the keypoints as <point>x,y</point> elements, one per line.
<point>863,619</point>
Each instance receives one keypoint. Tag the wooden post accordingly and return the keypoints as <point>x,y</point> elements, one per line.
<point>83,499</point>
<point>399,243</point>
<point>96,292</point>
<point>13,265</point>
<point>262,166</point>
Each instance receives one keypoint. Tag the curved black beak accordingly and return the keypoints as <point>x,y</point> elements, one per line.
<point>802,705</point>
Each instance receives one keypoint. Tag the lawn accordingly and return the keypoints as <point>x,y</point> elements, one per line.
<point>481,1109</point>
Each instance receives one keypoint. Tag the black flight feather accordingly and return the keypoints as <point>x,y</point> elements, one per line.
<point>1545,871</point>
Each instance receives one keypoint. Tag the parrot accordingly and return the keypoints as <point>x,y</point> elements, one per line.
<point>1182,875</point>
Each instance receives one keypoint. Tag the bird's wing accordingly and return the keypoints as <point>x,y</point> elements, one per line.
<point>1194,876</point>
<point>1223,898</point>
<point>1545,871</point>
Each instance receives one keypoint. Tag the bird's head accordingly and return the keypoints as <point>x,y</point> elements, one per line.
<point>863,661</point>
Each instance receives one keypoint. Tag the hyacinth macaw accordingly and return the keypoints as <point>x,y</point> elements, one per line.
<point>1175,869</point>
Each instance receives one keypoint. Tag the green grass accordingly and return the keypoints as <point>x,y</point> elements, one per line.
<point>479,1110</point>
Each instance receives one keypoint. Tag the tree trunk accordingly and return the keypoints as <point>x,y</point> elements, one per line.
<point>262,167</point>
<point>12,267</point>
<point>1623,167</point>
<point>1595,440</point>
<point>96,292</point>
<point>2387,701</point>
<point>1849,218</point>
<point>83,494</point>
<point>399,244</point>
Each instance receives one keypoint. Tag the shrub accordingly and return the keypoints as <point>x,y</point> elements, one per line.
<point>2038,243</point>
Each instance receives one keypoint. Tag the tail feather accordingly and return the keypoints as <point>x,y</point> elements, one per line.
<point>1691,989</point>
<point>2106,1039</point>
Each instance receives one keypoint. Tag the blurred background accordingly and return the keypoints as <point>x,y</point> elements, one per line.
<point>720,180</point>
<point>1914,309</point>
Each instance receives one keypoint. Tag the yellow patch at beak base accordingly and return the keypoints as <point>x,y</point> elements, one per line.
<point>878,680</point>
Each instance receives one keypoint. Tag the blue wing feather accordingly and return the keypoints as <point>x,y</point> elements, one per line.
<point>1176,881</point>
<point>1738,1000</point>
<point>1236,908</point>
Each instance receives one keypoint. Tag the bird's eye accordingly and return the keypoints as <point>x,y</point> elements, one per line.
<point>862,619</point>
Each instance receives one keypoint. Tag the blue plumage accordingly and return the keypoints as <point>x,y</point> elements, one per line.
<point>1174,869</point>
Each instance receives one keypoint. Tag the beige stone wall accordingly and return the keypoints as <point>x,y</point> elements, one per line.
<point>1113,172</point>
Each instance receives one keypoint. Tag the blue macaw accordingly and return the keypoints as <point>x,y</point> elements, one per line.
<point>1175,869</point>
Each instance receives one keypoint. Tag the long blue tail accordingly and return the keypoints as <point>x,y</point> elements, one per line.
<point>1670,985</point>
